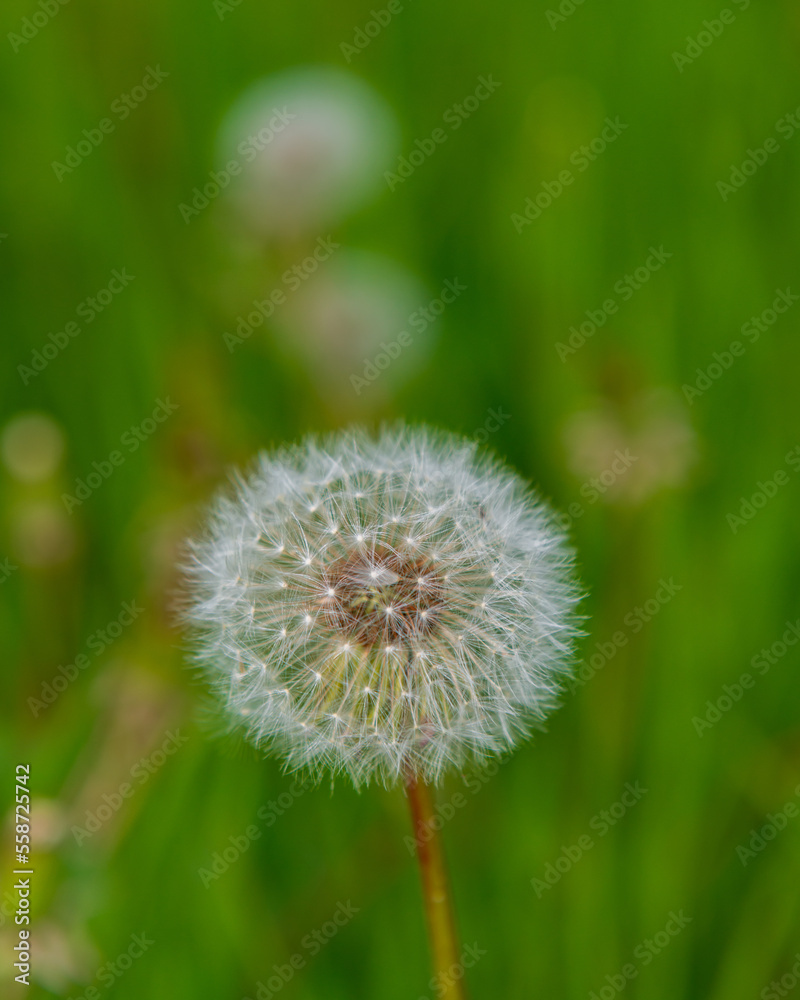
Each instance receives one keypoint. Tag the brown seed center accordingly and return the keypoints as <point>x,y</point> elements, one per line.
<point>384,597</point>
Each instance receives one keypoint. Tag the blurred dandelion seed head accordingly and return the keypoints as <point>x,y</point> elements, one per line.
<point>32,447</point>
<point>374,607</point>
<point>320,158</point>
<point>653,426</point>
<point>347,313</point>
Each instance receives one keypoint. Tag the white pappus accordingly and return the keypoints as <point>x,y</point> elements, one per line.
<point>382,607</point>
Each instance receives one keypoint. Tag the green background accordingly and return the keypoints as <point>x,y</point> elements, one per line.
<point>633,720</point>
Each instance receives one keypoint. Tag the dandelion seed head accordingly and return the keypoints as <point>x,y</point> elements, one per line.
<point>393,651</point>
<point>318,140</point>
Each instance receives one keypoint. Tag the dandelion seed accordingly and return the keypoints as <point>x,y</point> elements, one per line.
<point>483,586</point>
<point>330,137</point>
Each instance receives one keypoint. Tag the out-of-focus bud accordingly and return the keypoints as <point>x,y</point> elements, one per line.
<point>42,534</point>
<point>361,326</point>
<point>632,451</point>
<point>64,954</point>
<point>32,447</point>
<point>48,824</point>
<point>311,145</point>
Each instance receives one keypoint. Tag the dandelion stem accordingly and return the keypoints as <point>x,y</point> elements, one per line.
<point>442,934</point>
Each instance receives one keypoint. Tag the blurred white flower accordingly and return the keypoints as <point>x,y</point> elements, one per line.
<point>653,427</point>
<point>312,144</point>
<point>383,608</point>
<point>358,319</point>
<point>48,823</point>
<point>42,533</point>
<point>32,447</point>
<point>62,949</point>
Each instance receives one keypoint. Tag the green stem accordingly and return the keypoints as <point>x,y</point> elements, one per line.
<point>445,951</point>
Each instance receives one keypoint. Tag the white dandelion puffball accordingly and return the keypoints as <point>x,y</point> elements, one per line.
<point>312,143</point>
<point>383,608</point>
<point>359,308</point>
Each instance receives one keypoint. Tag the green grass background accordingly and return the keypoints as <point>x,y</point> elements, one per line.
<point>633,721</point>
